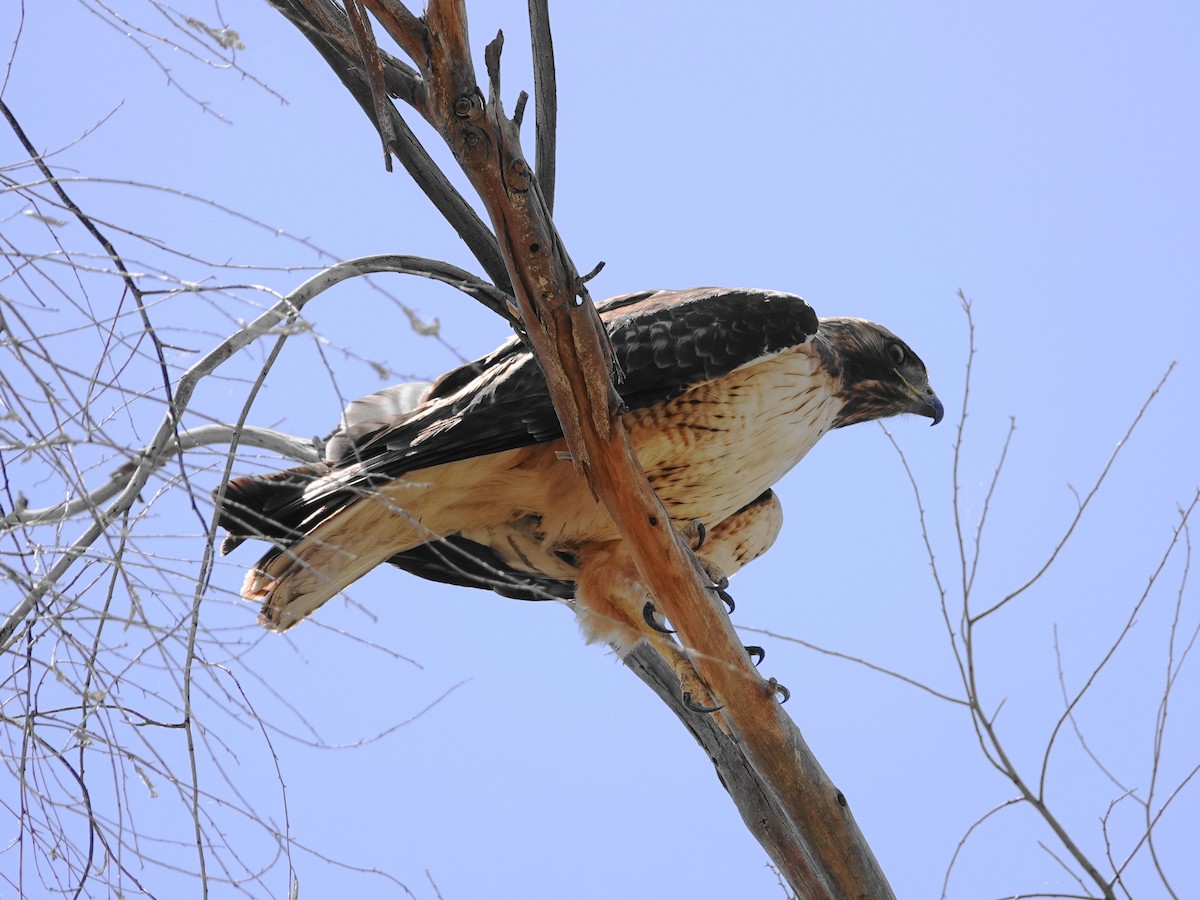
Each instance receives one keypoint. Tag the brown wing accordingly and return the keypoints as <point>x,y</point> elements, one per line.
<point>664,342</point>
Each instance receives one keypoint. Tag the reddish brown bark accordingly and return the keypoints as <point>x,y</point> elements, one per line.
<point>786,799</point>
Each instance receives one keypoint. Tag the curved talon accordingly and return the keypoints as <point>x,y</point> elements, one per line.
<point>779,689</point>
<point>648,615</point>
<point>756,651</point>
<point>696,707</point>
<point>725,598</point>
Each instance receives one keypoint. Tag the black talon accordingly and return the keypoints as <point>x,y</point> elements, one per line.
<point>701,534</point>
<point>648,615</point>
<point>779,689</point>
<point>725,598</point>
<point>756,651</point>
<point>696,707</point>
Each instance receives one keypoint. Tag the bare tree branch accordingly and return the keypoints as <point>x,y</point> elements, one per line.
<point>167,442</point>
<point>857,660</point>
<point>188,439</point>
<point>1012,595</point>
<point>545,98</point>
<point>326,27</point>
<point>963,643</point>
<point>831,858</point>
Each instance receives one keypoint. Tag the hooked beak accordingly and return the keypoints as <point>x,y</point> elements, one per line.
<point>924,401</point>
<point>933,407</point>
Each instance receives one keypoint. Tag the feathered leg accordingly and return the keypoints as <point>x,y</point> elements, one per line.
<point>609,600</point>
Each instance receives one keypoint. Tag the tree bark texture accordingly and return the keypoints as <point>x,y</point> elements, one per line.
<point>785,797</point>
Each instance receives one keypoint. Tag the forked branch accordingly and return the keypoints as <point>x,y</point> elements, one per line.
<point>801,819</point>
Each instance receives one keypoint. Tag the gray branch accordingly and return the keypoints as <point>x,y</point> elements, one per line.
<point>164,444</point>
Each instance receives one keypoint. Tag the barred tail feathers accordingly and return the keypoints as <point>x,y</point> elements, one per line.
<point>323,542</point>
<point>328,534</point>
<point>266,507</point>
<point>293,581</point>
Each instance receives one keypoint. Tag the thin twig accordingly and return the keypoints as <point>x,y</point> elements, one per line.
<point>857,660</point>
<point>987,502</point>
<point>1116,644</point>
<point>962,842</point>
<point>1082,506</point>
<point>166,436</point>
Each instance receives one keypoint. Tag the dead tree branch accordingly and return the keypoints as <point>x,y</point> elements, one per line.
<point>125,486</point>
<point>798,815</point>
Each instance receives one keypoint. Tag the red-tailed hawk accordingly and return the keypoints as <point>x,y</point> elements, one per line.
<point>464,480</point>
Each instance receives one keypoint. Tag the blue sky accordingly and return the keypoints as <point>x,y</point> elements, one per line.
<point>874,158</point>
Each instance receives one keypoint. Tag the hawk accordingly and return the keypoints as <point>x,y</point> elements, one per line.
<point>465,480</point>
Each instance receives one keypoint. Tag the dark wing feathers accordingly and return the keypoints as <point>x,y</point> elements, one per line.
<point>266,506</point>
<point>369,415</point>
<point>465,563</point>
<point>663,342</point>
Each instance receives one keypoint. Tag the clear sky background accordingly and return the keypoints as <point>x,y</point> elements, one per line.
<point>874,158</point>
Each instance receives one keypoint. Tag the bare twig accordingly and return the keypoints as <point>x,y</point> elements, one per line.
<point>1160,724</point>
<point>857,660</point>
<point>960,430</point>
<point>1012,595</point>
<point>1079,735</point>
<point>166,441</point>
<point>987,502</point>
<point>962,842</point>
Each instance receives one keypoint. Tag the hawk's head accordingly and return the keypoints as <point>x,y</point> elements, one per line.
<point>880,375</point>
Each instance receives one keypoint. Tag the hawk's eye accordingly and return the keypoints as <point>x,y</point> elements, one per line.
<point>896,352</point>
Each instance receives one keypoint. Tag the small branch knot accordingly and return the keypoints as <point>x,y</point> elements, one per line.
<point>474,143</point>
<point>518,175</point>
<point>467,106</point>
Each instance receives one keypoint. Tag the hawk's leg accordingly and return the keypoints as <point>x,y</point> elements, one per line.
<point>720,581</point>
<point>690,683</point>
<point>612,605</point>
<point>694,533</point>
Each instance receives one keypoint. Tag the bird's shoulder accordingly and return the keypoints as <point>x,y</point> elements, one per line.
<point>664,342</point>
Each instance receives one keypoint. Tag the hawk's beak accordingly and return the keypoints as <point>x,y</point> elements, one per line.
<point>933,406</point>
<point>924,401</point>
